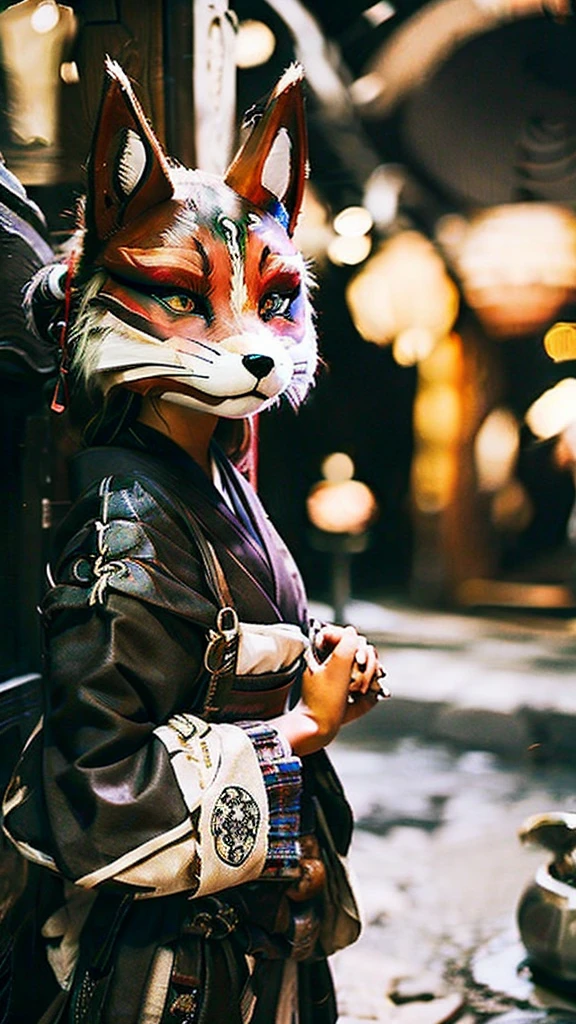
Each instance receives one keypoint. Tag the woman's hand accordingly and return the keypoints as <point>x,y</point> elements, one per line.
<point>337,687</point>
<point>365,689</point>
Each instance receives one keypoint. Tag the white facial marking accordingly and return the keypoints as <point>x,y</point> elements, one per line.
<point>237,282</point>
<point>185,224</point>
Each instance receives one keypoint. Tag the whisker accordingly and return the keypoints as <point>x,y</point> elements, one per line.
<point>203,359</point>
<point>204,345</point>
<point>178,372</point>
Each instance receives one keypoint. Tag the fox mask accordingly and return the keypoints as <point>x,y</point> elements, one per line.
<point>194,289</point>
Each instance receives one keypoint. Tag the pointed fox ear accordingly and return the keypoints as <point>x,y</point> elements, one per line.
<point>270,168</point>
<point>127,170</point>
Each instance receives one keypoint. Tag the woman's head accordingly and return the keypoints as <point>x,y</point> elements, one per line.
<point>191,287</point>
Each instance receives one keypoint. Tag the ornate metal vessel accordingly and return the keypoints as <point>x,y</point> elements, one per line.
<point>547,907</point>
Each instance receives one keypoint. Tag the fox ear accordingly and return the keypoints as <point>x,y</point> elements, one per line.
<point>127,170</point>
<point>270,168</point>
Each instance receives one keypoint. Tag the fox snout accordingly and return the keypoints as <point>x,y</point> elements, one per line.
<point>259,366</point>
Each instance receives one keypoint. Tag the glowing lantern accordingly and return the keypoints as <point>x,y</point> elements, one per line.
<point>339,504</point>
<point>403,286</point>
<point>517,264</point>
<point>345,507</point>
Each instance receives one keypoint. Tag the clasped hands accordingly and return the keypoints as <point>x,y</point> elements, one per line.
<point>341,683</point>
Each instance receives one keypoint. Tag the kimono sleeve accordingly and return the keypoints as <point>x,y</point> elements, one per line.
<point>137,790</point>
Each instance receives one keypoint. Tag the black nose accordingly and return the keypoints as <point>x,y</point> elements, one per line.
<point>259,366</point>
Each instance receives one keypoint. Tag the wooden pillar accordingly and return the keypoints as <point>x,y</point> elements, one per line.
<point>457,386</point>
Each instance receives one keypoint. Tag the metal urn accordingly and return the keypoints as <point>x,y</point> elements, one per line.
<point>547,907</point>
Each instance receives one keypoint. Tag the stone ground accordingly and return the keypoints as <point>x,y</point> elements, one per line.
<point>436,853</point>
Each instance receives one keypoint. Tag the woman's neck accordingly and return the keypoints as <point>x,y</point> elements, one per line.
<point>190,429</point>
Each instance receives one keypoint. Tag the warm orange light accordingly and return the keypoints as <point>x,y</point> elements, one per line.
<point>511,509</point>
<point>412,345</point>
<point>347,506</point>
<point>255,43</point>
<point>496,449</point>
<point>443,362</point>
<point>517,264</point>
<point>432,478</point>
<point>437,426</point>
<point>353,222</point>
<point>69,72</point>
<point>337,467</point>
<point>437,414</point>
<point>404,285</point>
<point>560,342</point>
<point>348,250</point>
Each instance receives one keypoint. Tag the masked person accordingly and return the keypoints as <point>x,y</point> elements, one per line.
<point>178,804</point>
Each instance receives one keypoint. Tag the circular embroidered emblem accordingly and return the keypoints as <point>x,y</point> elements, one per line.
<point>234,825</point>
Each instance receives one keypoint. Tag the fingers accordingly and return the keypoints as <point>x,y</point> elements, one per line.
<point>344,647</point>
<point>360,704</point>
<point>366,664</point>
<point>364,668</point>
<point>325,639</point>
<point>330,634</point>
<point>345,650</point>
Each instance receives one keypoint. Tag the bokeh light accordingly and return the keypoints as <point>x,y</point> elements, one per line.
<point>353,221</point>
<point>347,506</point>
<point>348,251</point>
<point>403,285</point>
<point>517,264</point>
<point>255,43</point>
<point>337,467</point>
<point>45,17</point>
<point>69,72</point>
<point>554,410</point>
<point>496,449</point>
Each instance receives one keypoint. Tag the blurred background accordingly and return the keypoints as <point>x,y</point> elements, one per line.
<point>427,487</point>
<point>435,460</point>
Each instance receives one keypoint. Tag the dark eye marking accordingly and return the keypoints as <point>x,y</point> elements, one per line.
<point>178,301</point>
<point>264,256</point>
<point>184,304</point>
<point>278,303</point>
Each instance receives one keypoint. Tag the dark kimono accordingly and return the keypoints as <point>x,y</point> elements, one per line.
<point>167,828</point>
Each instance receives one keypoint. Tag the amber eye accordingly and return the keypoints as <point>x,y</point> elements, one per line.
<point>275,304</point>
<point>180,302</point>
